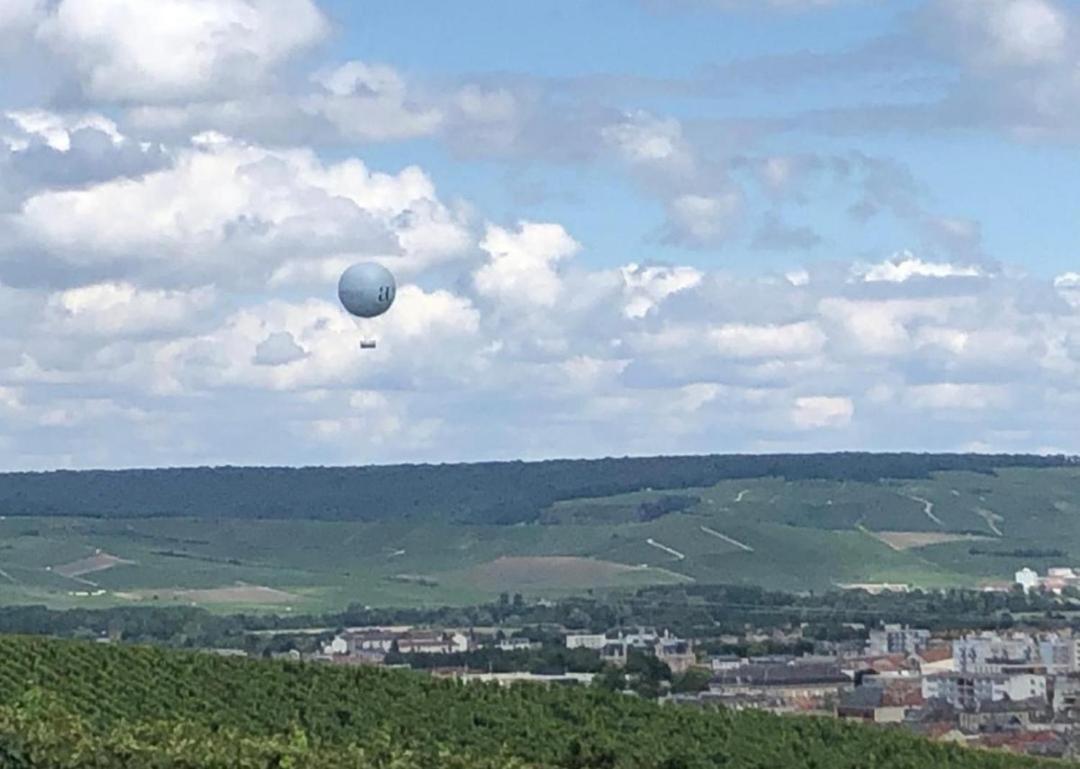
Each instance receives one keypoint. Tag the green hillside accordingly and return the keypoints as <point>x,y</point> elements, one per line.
<point>71,704</point>
<point>949,528</point>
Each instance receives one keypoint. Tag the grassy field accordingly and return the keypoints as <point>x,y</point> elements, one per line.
<point>954,529</point>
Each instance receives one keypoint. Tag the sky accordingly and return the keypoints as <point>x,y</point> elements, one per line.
<point>620,227</point>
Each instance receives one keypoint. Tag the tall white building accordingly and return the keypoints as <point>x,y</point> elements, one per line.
<point>897,639</point>
<point>992,653</point>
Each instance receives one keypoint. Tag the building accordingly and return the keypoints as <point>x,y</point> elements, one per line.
<point>1028,579</point>
<point>1003,715</point>
<point>1055,581</point>
<point>1059,653</point>
<point>790,679</point>
<point>517,644</point>
<point>896,639</point>
<point>991,653</point>
<point>676,653</point>
<point>968,690</point>
<point>337,646</point>
<point>595,641</point>
<point>726,662</point>
<point>878,704</point>
<point>433,642</point>
<point>371,643</point>
<point>936,659</point>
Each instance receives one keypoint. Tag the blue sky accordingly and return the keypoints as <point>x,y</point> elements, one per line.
<point>618,226</point>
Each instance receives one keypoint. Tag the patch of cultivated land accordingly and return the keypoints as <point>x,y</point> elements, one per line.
<point>89,565</point>
<point>236,594</point>
<point>910,540</point>
<point>547,572</point>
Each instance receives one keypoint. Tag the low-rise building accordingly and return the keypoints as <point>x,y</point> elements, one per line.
<point>878,704</point>
<point>967,690</point>
<point>1004,715</point>
<point>788,680</point>
<point>595,641</point>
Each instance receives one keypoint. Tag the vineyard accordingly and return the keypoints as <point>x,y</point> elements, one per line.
<point>74,704</point>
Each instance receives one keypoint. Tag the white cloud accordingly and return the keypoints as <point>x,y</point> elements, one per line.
<point>56,129</point>
<point>1010,33</point>
<point>122,309</point>
<point>19,16</point>
<point>522,265</point>
<point>371,102</point>
<point>133,51</point>
<point>815,412</point>
<point>278,349</point>
<point>241,213</point>
<point>647,286</point>
<point>646,140</point>
<point>906,265</point>
<point>703,220</point>
<point>950,396</point>
<point>772,341</point>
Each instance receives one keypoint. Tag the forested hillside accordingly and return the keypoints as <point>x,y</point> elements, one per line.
<point>71,704</point>
<point>499,492</point>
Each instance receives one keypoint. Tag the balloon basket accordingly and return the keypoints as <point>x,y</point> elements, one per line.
<point>367,344</point>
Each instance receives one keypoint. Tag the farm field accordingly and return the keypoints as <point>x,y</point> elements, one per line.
<point>954,528</point>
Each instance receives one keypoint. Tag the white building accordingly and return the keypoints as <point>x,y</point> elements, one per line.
<point>968,690</point>
<point>338,646</point>
<point>991,653</point>
<point>1027,579</point>
<point>595,641</point>
<point>897,639</point>
<point>1060,653</point>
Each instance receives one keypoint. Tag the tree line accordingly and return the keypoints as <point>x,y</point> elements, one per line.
<point>493,492</point>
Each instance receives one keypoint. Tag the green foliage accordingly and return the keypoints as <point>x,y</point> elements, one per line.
<point>68,705</point>
<point>692,681</point>
<point>492,492</point>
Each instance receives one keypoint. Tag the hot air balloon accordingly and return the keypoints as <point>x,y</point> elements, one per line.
<point>366,290</point>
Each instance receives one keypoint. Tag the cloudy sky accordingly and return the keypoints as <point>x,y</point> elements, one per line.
<point>619,227</point>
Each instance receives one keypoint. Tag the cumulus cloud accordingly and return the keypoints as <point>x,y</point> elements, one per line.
<point>522,265</point>
<point>271,210</point>
<point>278,349</point>
<point>122,309</point>
<point>129,51</point>
<point>371,102</point>
<point>905,266</point>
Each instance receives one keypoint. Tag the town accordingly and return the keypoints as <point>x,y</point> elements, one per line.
<point>1017,690</point>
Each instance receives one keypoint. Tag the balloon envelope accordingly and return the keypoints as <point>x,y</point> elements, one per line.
<point>367,289</point>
